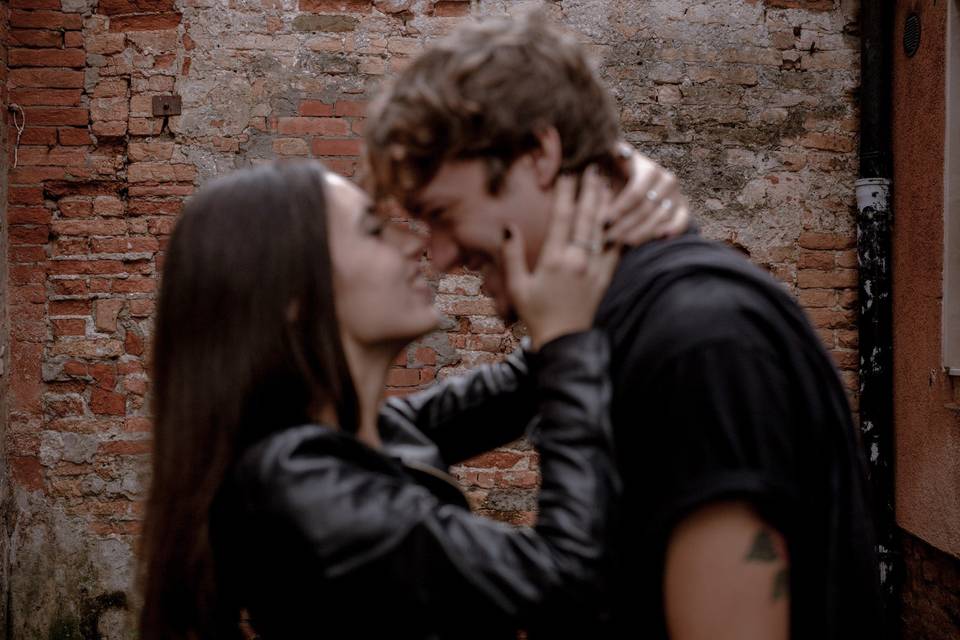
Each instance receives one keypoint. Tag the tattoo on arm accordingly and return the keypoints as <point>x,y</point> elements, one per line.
<point>764,550</point>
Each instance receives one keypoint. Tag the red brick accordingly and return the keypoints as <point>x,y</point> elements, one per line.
<point>103,402</point>
<point>327,147</point>
<point>27,254</point>
<point>20,234</point>
<point>451,8</point>
<point>398,377</point>
<point>28,215</point>
<point>315,108</point>
<point>133,344</point>
<point>809,5</point>
<point>25,195</point>
<point>110,129</point>
<point>46,58</point>
<point>112,109</point>
<point>290,147</point>
<point>35,38</point>
<point>106,43</point>
<point>350,108</point>
<point>69,308</point>
<point>133,285</point>
<point>78,207</point>
<point>69,136</point>
<point>495,460</point>
<point>90,228</point>
<point>818,297</point>
<point>150,151</point>
<point>73,39</point>
<point>27,472</point>
<point>53,78</point>
<point>836,279</point>
<point>46,97</point>
<point>58,116</point>
<point>313,126</point>
<point>35,136</point>
<point>152,22</point>
<point>45,20</point>
<point>816,260</point>
<point>828,319</point>
<point>105,314</point>
<point>137,425</point>
<point>110,88</point>
<point>141,308</point>
<point>821,240</point>
<point>127,447</point>
<point>69,327</point>
<point>161,172</point>
<point>336,6</point>
<point>36,175</point>
<point>114,7</point>
<point>847,259</point>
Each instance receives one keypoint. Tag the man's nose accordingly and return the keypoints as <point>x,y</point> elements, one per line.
<point>444,253</point>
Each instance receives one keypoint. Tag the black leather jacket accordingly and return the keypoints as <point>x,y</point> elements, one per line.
<point>319,535</point>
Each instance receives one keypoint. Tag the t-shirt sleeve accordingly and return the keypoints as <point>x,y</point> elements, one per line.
<point>724,431</point>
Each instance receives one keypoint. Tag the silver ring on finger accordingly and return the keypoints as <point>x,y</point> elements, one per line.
<point>667,203</point>
<point>652,195</point>
<point>592,247</point>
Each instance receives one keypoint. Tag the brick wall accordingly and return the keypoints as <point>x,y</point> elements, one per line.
<point>931,592</point>
<point>5,523</point>
<point>752,103</point>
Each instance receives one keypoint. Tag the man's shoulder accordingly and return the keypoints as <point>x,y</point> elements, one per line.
<point>691,291</point>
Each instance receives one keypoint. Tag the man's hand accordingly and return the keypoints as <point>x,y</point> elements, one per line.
<point>727,577</point>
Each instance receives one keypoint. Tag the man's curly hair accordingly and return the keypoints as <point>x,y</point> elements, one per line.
<point>485,92</point>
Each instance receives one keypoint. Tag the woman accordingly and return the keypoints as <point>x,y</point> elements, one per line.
<point>280,487</point>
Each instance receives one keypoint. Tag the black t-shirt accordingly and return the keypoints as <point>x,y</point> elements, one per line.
<point>723,391</point>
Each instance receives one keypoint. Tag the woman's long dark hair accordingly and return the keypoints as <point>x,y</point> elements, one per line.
<point>246,343</point>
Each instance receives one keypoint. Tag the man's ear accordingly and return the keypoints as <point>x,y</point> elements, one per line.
<point>547,157</point>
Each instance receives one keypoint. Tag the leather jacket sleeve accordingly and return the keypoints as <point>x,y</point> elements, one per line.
<point>472,413</point>
<point>388,539</point>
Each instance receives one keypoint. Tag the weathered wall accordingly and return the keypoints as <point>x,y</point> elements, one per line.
<point>5,511</point>
<point>927,420</point>
<point>751,102</point>
<point>931,592</point>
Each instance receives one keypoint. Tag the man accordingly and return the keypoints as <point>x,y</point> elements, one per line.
<point>744,512</point>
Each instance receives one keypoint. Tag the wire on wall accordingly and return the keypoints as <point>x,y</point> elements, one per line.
<point>19,124</point>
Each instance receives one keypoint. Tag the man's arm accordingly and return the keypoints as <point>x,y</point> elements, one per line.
<point>727,577</point>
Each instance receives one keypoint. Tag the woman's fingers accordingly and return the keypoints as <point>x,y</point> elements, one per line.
<point>587,233</point>
<point>561,216</point>
<point>642,173</point>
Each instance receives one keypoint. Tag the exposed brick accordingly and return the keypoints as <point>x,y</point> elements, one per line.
<point>328,147</point>
<point>45,20</point>
<point>46,97</point>
<point>315,108</point>
<point>150,151</point>
<point>150,22</point>
<point>826,241</point>
<point>35,38</point>
<point>837,279</point>
<point>114,7</point>
<point>54,78</point>
<point>451,8</point>
<point>46,58</point>
<point>350,108</point>
<point>313,126</point>
<point>336,6</point>
<point>72,136</point>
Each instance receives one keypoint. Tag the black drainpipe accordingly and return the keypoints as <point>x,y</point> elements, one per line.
<point>874,227</point>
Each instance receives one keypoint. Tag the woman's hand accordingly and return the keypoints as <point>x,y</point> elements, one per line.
<point>650,206</point>
<point>562,293</point>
